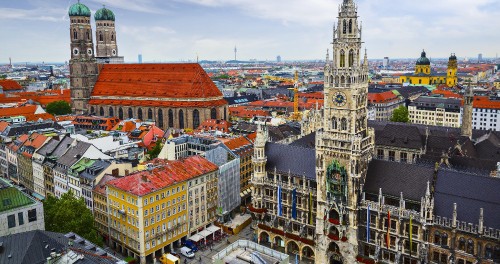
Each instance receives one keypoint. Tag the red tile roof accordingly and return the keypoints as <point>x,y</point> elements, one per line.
<point>3,126</point>
<point>173,80</point>
<point>17,111</point>
<point>384,97</point>
<point>167,173</point>
<point>213,124</point>
<point>10,85</point>
<point>238,142</point>
<point>153,103</point>
<point>485,102</point>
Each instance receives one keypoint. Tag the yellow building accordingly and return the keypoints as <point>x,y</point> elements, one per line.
<point>148,209</point>
<point>424,75</point>
<point>496,83</point>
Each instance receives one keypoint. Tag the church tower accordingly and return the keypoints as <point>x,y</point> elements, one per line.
<point>106,46</point>
<point>344,146</point>
<point>451,73</point>
<point>466,129</point>
<point>82,65</point>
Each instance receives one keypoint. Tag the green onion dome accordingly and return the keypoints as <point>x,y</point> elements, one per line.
<point>423,60</point>
<point>79,9</point>
<point>104,14</point>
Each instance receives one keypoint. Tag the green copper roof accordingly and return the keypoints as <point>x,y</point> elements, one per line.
<point>104,14</point>
<point>79,9</point>
<point>423,60</point>
<point>12,198</point>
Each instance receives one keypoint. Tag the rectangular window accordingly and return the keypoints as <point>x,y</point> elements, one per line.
<point>11,219</point>
<point>380,154</point>
<point>32,215</point>
<point>392,155</point>
<point>404,157</point>
<point>20,218</point>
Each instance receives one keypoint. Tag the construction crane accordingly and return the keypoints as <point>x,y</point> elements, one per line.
<point>296,115</point>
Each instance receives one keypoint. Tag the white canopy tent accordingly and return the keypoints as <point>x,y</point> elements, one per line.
<point>195,238</point>
<point>213,228</point>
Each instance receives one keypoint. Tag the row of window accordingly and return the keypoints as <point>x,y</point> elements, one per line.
<point>11,219</point>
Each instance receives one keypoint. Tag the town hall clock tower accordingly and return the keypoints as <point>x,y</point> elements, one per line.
<point>344,146</point>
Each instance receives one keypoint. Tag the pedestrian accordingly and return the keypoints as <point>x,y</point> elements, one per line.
<point>200,259</point>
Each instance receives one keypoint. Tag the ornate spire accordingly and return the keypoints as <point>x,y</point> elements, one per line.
<point>327,56</point>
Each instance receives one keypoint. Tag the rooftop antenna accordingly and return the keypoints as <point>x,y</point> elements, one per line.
<point>235,51</point>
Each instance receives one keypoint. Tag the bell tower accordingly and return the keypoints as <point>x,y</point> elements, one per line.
<point>82,65</point>
<point>451,73</point>
<point>106,45</point>
<point>466,129</point>
<point>345,145</point>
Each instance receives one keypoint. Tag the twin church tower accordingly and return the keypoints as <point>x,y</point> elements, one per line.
<point>84,61</point>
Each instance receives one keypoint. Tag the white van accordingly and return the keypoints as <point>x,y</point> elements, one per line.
<point>187,252</point>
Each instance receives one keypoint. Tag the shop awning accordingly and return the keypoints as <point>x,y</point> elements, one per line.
<point>213,228</point>
<point>196,238</point>
<point>205,233</point>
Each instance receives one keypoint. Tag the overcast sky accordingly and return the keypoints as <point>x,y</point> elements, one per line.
<point>174,30</point>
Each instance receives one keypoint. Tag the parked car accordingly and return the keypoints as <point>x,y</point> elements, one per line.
<point>190,244</point>
<point>187,252</point>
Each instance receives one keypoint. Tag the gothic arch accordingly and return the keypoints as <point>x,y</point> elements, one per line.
<point>350,26</point>
<point>196,118</point>
<point>160,118</point>
<point>277,240</point>
<point>139,113</point>
<point>344,27</point>
<point>100,36</point>
<point>333,214</point>
<point>88,35</point>
<point>331,79</point>
<point>307,252</point>
<point>336,80</point>
<point>264,237</point>
<point>120,113</point>
<point>213,113</point>
<point>92,110</point>
<point>342,80</point>
<point>75,34</point>
<point>112,37</point>
<point>181,119</point>
<point>343,124</point>
<point>334,123</point>
<point>130,113</point>
<point>351,58</point>
<point>348,79</point>
<point>150,114</point>
<point>101,111</point>
<point>111,112</point>
<point>292,247</point>
<point>170,118</point>
<point>342,58</point>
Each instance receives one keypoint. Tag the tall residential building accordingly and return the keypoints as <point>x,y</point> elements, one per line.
<point>435,111</point>
<point>148,210</point>
<point>485,113</point>
<point>82,65</point>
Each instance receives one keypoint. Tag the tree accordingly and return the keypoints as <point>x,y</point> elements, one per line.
<point>70,214</point>
<point>155,151</point>
<point>400,114</point>
<point>58,108</point>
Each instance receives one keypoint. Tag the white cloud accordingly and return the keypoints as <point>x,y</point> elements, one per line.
<point>40,14</point>
<point>146,6</point>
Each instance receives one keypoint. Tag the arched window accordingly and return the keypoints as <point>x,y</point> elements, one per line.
<point>342,58</point>
<point>120,113</point>
<point>461,244</point>
<point>181,119</point>
<point>150,114</point>
<point>101,111</point>
<point>130,113</point>
<point>470,247</point>
<point>342,80</point>
<point>444,239</point>
<point>334,123</point>
<point>139,113</point>
<point>111,112</point>
<point>160,118</point>
<point>437,238</point>
<point>488,251</point>
<point>344,25</point>
<point>225,113</point>
<point>75,34</point>
<point>170,118</point>
<point>92,110</point>
<point>350,26</point>
<point>351,58</point>
<point>88,35</point>
<point>100,36</point>
<point>344,124</point>
<point>196,118</point>
<point>213,113</point>
<point>112,37</point>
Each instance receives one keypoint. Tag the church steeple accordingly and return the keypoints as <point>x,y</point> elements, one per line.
<point>345,144</point>
<point>466,129</point>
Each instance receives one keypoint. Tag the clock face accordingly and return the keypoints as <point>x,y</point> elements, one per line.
<point>339,99</point>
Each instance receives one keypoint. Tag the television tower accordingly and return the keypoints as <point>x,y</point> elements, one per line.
<point>235,51</point>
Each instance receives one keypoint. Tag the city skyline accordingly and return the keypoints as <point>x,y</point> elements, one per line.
<point>296,30</point>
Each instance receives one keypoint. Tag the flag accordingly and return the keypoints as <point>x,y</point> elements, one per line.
<point>411,234</point>
<point>294,204</point>
<point>310,208</point>
<point>387,237</point>
<point>280,212</point>
<point>368,224</point>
